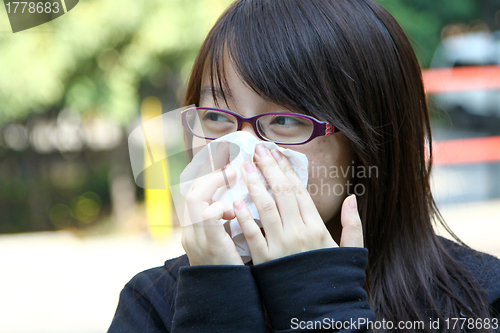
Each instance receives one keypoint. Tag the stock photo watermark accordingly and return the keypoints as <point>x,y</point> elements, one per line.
<point>24,15</point>
<point>332,180</point>
<point>383,324</point>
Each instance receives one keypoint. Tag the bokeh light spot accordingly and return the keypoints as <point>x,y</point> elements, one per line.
<point>86,208</point>
<point>60,216</point>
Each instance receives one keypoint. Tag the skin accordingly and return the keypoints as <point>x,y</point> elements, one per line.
<point>296,221</point>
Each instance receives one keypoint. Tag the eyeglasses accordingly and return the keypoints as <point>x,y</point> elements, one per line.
<point>280,128</point>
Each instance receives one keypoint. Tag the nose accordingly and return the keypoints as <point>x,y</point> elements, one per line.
<point>248,128</point>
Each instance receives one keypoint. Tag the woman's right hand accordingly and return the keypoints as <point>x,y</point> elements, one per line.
<point>204,237</point>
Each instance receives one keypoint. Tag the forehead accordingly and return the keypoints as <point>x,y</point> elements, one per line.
<point>229,88</point>
<point>240,96</point>
<point>207,94</point>
<point>219,79</point>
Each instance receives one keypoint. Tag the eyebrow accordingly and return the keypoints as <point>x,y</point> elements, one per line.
<point>206,92</point>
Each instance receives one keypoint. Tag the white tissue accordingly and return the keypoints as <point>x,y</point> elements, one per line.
<point>238,189</point>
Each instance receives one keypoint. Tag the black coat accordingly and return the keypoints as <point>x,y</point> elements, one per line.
<point>311,291</point>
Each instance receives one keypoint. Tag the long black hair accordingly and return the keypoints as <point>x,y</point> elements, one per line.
<point>349,62</point>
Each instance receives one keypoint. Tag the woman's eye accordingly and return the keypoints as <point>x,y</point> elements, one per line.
<point>213,116</point>
<point>284,120</point>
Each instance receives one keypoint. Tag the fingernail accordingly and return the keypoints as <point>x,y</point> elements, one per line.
<point>238,204</point>
<point>249,167</point>
<point>276,154</point>
<point>353,203</point>
<point>262,151</point>
<point>228,168</point>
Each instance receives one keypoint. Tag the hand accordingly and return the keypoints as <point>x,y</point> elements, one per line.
<point>291,224</point>
<point>204,238</point>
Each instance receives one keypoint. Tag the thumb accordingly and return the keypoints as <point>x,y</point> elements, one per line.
<point>352,230</point>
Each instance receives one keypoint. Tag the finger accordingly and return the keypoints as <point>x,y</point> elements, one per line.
<point>352,230</point>
<point>198,199</point>
<point>219,211</point>
<point>192,223</point>
<point>190,238</point>
<point>283,191</point>
<point>305,203</point>
<point>265,204</point>
<point>255,239</point>
<point>212,224</point>
<point>217,156</point>
<point>220,155</point>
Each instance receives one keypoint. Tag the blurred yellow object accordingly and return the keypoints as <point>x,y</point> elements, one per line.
<point>158,201</point>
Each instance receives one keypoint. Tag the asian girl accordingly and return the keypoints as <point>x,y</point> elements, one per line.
<point>321,258</point>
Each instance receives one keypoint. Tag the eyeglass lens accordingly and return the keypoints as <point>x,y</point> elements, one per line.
<point>279,128</point>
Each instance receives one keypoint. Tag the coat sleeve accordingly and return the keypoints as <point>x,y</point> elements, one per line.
<point>316,291</point>
<point>217,299</point>
<point>199,299</point>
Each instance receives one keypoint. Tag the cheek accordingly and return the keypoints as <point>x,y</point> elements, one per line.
<point>330,175</point>
<point>198,144</point>
<point>327,186</point>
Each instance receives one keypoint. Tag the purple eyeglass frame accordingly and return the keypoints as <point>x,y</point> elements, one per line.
<point>320,128</point>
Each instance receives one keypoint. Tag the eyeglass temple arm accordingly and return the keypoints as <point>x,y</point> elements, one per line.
<point>330,129</point>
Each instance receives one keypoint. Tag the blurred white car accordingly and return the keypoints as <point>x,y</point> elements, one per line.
<point>476,108</point>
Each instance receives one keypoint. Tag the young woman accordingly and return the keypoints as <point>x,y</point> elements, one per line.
<point>324,261</point>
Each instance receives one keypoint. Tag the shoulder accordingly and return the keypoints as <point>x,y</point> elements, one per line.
<point>166,274</point>
<point>147,300</point>
<point>484,267</point>
<point>159,283</point>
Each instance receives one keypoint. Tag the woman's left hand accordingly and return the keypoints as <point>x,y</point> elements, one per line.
<point>292,223</point>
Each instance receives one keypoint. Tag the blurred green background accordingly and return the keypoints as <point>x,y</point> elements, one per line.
<point>71,91</point>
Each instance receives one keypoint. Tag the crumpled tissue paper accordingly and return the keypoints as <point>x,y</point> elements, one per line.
<point>238,190</point>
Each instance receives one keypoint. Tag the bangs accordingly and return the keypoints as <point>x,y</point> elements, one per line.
<point>276,51</point>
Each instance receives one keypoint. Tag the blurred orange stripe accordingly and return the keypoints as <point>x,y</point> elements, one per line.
<point>463,151</point>
<point>440,80</point>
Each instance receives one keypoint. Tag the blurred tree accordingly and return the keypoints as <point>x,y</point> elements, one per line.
<point>100,60</point>
<point>94,58</point>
